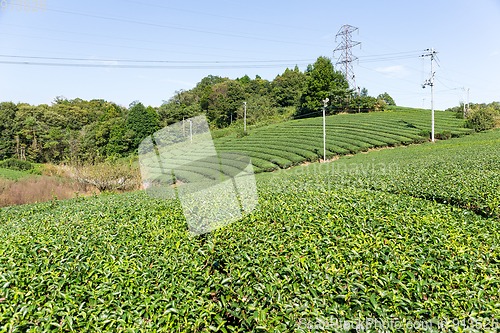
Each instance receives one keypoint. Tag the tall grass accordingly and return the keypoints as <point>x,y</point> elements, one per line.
<point>34,189</point>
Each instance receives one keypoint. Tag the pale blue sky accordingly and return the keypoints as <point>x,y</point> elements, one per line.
<point>465,33</point>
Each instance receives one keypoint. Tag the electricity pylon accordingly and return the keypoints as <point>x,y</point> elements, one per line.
<point>346,58</point>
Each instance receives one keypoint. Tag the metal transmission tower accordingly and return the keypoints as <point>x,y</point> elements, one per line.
<point>346,58</point>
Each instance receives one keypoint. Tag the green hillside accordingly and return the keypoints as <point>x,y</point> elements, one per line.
<point>409,233</point>
<point>293,142</point>
<point>13,174</point>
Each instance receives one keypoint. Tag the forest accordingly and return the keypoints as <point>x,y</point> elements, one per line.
<point>76,130</point>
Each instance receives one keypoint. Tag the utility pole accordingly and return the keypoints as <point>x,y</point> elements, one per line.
<point>359,99</point>
<point>245,103</point>
<point>191,129</point>
<point>346,58</point>
<point>468,90</point>
<point>463,88</point>
<point>423,103</point>
<point>17,146</point>
<point>430,82</point>
<point>324,129</point>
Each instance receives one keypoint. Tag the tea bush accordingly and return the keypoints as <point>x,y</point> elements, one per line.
<point>298,141</point>
<point>382,238</point>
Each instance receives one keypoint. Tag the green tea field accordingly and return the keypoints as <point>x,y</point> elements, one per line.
<point>411,233</point>
<point>290,143</point>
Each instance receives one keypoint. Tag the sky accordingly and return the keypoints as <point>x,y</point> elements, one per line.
<point>127,50</point>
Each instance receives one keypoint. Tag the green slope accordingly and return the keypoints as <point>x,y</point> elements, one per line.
<point>346,243</point>
<point>293,142</point>
<point>13,174</point>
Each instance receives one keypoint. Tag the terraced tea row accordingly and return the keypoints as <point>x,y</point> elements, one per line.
<point>294,142</point>
<point>460,171</point>
<point>318,248</point>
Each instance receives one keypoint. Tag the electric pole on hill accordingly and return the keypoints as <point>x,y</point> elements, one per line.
<point>463,88</point>
<point>468,104</point>
<point>430,82</point>
<point>324,129</point>
<point>245,103</point>
<point>346,58</point>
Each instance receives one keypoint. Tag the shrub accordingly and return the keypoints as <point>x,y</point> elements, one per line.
<point>445,135</point>
<point>35,172</point>
<point>107,176</point>
<point>241,133</point>
<point>482,119</point>
<point>425,133</point>
<point>16,164</point>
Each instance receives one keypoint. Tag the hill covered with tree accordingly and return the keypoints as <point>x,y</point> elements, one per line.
<point>80,130</point>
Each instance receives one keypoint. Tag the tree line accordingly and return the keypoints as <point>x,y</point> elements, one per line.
<point>80,130</point>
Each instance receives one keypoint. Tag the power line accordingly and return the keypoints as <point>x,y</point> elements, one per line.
<point>140,40</point>
<point>110,45</point>
<point>386,74</point>
<point>280,65</point>
<point>178,64</point>
<point>380,58</point>
<point>160,61</point>
<point>459,82</point>
<point>223,16</point>
<point>410,56</point>
<point>375,57</point>
<point>128,20</point>
<point>446,74</point>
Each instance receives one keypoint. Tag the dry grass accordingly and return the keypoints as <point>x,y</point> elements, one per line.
<point>36,189</point>
<point>53,170</point>
<point>66,182</point>
<point>107,176</point>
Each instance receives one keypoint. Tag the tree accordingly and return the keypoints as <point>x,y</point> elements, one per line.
<point>154,114</point>
<point>141,122</point>
<point>364,92</point>
<point>210,80</point>
<point>287,88</point>
<point>386,98</point>
<point>222,100</point>
<point>482,118</point>
<point>244,80</point>
<point>322,82</point>
<point>53,145</point>
<point>132,104</point>
<point>7,123</point>
<point>259,108</point>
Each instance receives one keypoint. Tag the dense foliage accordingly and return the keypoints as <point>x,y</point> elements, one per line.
<point>483,118</point>
<point>459,110</point>
<point>66,130</point>
<point>142,121</point>
<point>15,164</point>
<point>316,249</point>
<point>386,98</point>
